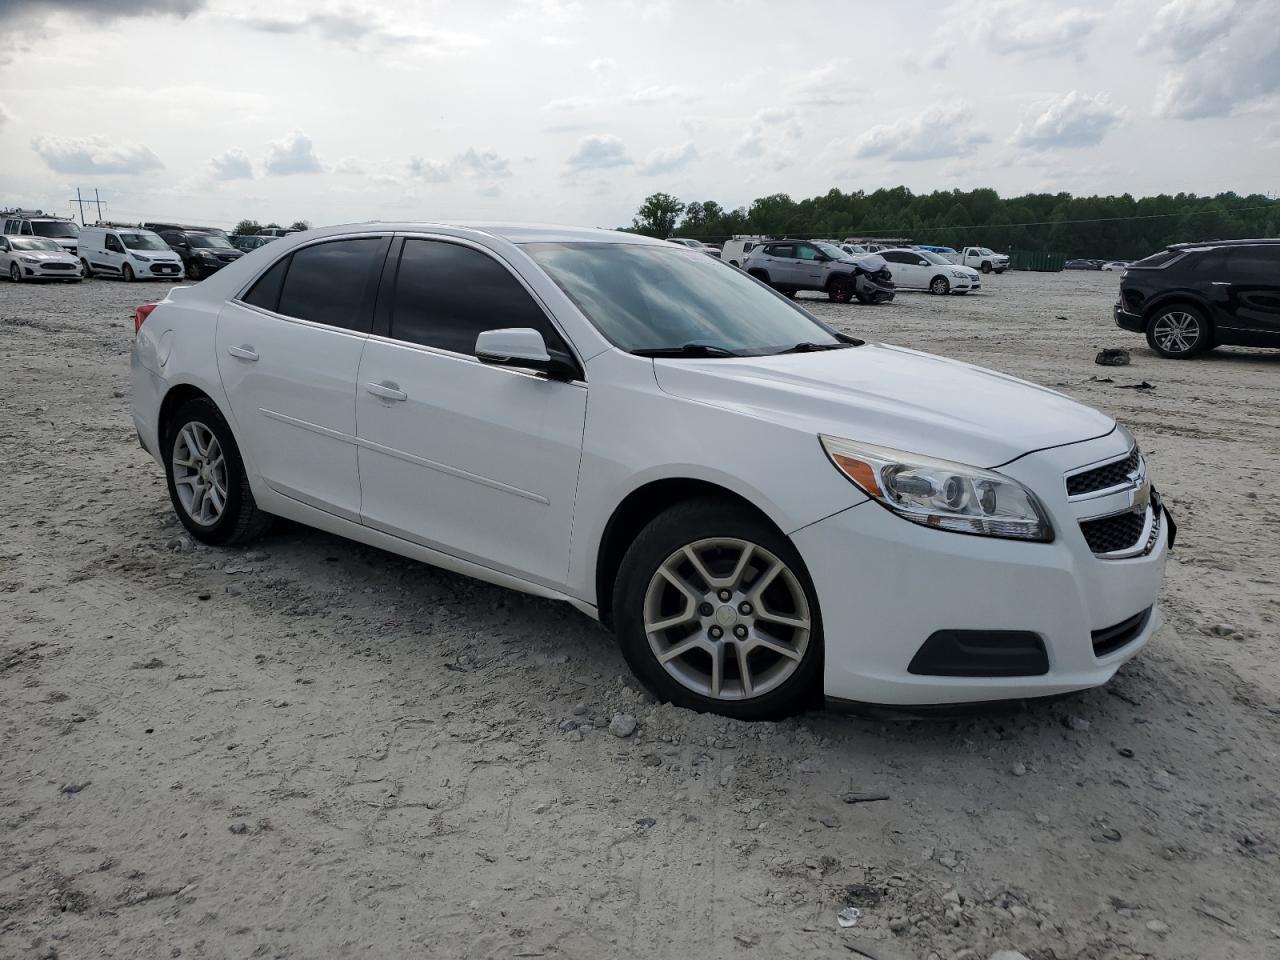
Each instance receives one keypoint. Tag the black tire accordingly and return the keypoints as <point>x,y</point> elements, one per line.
<point>863,299</point>
<point>685,524</point>
<point>733,263</point>
<point>788,292</point>
<point>1193,329</point>
<point>87,270</point>
<point>15,273</point>
<point>986,266</point>
<point>127,273</point>
<point>940,286</point>
<point>193,271</point>
<point>840,289</point>
<point>761,275</point>
<point>240,521</point>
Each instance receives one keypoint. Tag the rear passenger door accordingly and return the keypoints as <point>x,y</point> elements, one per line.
<point>288,353</point>
<point>781,263</point>
<point>474,460</point>
<point>1254,275</point>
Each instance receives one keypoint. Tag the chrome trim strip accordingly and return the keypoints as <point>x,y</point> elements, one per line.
<point>451,471</point>
<point>308,425</point>
<point>468,358</point>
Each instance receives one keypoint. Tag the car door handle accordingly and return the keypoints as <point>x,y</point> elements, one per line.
<point>245,352</point>
<point>386,390</point>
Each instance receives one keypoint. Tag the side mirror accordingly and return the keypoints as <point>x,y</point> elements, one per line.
<point>523,347</point>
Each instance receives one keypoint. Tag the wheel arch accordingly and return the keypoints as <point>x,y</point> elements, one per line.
<point>637,509</point>
<point>759,273</point>
<point>1177,298</point>
<point>177,395</point>
<point>835,275</point>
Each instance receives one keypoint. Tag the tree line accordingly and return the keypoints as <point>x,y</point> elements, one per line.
<point>251,228</point>
<point>1104,227</point>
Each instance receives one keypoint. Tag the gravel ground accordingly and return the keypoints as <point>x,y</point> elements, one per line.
<point>314,749</point>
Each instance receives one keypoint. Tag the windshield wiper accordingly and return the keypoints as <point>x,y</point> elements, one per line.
<point>686,350</point>
<point>808,347</point>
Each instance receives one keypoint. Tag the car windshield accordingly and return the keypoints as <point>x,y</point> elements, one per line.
<point>143,241</point>
<point>207,240</point>
<point>983,251</point>
<point>934,257</point>
<point>832,251</point>
<point>644,297</point>
<point>61,229</point>
<point>32,243</point>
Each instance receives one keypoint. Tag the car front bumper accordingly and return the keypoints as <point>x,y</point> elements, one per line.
<point>50,271</point>
<point>886,585</point>
<point>1126,320</point>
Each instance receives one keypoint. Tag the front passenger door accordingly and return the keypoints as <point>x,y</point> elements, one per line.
<point>477,461</point>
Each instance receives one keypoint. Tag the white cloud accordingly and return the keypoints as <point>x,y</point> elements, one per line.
<point>1235,64</point>
<point>471,164</point>
<point>294,154</point>
<point>94,155</point>
<point>826,85</point>
<point>231,164</point>
<point>597,152</point>
<point>365,30</point>
<point>349,165</point>
<point>936,133</point>
<point>669,160</point>
<point>1022,27</point>
<point>23,22</point>
<point>5,117</point>
<point>602,65</point>
<point>1071,120</point>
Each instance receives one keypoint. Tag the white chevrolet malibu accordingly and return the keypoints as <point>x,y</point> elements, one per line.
<point>765,510</point>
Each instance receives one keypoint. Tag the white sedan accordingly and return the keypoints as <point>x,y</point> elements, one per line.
<point>37,258</point>
<point>924,270</point>
<point>764,509</point>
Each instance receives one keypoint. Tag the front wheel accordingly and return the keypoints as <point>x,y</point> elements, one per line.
<point>1178,332</point>
<point>840,290</point>
<point>193,271</point>
<point>715,612</point>
<point>14,273</point>
<point>128,274</point>
<point>85,270</point>
<point>986,268</point>
<point>207,481</point>
<point>940,286</point>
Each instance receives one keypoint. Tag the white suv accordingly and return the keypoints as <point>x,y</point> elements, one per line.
<point>130,253</point>
<point>763,508</point>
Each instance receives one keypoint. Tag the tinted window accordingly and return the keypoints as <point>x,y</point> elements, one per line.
<point>1260,264</point>
<point>266,292</point>
<point>782,250</point>
<point>894,257</point>
<point>332,283</point>
<point>446,295</point>
<point>1158,259</point>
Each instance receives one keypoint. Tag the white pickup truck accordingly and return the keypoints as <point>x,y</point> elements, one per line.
<point>980,258</point>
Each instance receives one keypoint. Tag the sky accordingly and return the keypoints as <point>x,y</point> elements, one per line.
<point>562,111</point>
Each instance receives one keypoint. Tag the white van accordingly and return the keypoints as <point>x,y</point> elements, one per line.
<point>129,252</point>
<point>734,252</point>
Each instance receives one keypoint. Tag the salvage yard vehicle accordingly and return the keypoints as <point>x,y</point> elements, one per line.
<point>202,253</point>
<point>764,509</point>
<point>734,251</point>
<point>793,265</point>
<point>1192,297</point>
<point>982,258</point>
<point>696,245</point>
<point>36,258</point>
<point>922,270</point>
<point>36,223</point>
<point>247,242</point>
<point>130,253</point>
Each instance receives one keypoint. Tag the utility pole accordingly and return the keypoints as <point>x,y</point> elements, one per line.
<point>97,200</point>
<point>79,202</point>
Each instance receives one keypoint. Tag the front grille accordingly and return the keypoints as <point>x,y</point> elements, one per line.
<point>1110,639</point>
<point>1118,532</point>
<point>60,266</point>
<point>1104,477</point>
<point>164,268</point>
<point>227,257</point>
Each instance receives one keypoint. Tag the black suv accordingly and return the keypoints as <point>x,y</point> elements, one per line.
<point>202,252</point>
<point>1196,296</point>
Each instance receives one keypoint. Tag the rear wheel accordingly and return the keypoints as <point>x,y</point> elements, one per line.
<point>207,481</point>
<point>715,612</point>
<point>840,289</point>
<point>1178,331</point>
<point>939,285</point>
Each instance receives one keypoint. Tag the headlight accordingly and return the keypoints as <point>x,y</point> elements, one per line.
<point>141,259</point>
<point>941,494</point>
<point>30,259</point>
<point>960,274</point>
<point>204,253</point>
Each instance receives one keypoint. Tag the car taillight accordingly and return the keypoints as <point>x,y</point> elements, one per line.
<point>141,314</point>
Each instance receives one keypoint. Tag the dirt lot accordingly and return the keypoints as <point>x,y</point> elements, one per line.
<point>313,749</point>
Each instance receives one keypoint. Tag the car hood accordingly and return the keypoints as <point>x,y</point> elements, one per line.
<point>893,397</point>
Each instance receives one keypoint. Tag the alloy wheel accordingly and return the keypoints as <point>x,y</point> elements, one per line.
<point>727,619</point>
<point>200,473</point>
<point>940,285</point>
<point>14,273</point>
<point>1176,331</point>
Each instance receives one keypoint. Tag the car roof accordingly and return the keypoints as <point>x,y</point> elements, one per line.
<point>1206,244</point>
